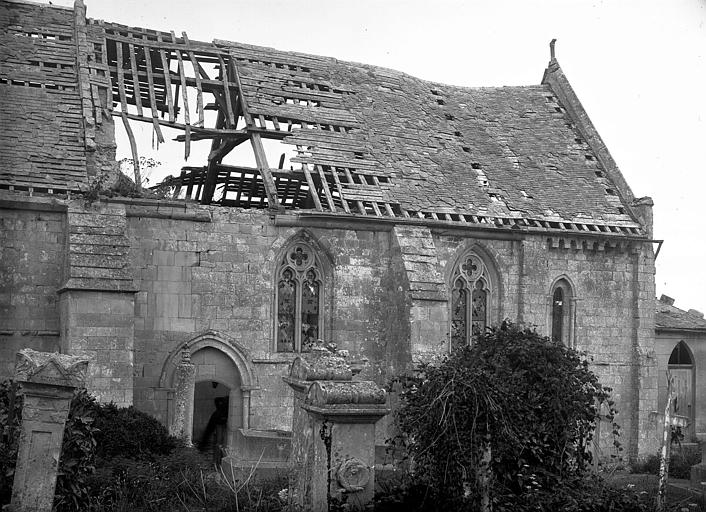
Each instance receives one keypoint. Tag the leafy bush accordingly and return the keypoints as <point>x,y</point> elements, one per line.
<point>515,407</point>
<point>77,453</point>
<point>10,422</point>
<point>680,463</point>
<point>588,493</point>
<point>132,434</point>
<point>77,450</point>
<point>183,480</point>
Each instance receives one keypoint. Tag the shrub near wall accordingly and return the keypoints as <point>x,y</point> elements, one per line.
<point>527,402</point>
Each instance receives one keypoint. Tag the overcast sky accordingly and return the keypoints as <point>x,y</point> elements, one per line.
<point>638,67</point>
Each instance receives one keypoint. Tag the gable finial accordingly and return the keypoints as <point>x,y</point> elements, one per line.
<point>551,50</point>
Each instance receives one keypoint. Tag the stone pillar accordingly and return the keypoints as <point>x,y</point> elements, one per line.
<point>246,406</point>
<point>47,382</point>
<point>97,300</point>
<point>333,443</point>
<point>184,381</point>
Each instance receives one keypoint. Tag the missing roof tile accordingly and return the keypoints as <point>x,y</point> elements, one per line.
<point>475,165</point>
<point>466,149</point>
<point>449,117</point>
<point>441,102</point>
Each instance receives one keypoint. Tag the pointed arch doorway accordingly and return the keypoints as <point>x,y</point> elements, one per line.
<point>223,378</point>
<point>683,370</point>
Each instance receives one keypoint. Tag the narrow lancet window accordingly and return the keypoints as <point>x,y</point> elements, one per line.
<point>458,314</point>
<point>286,308</point>
<point>299,300</point>
<point>479,315</point>
<point>558,315</point>
<point>562,313</point>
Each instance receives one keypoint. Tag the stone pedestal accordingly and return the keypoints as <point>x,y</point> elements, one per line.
<point>47,383</point>
<point>184,381</point>
<point>333,443</point>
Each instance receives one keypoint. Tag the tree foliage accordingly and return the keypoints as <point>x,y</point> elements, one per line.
<point>532,402</point>
<point>132,434</point>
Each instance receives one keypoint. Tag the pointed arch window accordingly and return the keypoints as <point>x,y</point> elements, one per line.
<point>562,312</point>
<point>470,300</point>
<point>681,355</point>
<point>299,301</point>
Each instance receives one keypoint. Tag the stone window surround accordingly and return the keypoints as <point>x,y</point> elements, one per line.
<point>491,277</point>
<point>569,311</point>
<point>324,265</point>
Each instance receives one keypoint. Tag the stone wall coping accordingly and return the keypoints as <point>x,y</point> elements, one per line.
<point>346,413</point>
<point>17,201</point>
<point>50,368</point>
<point>99,285</point>
<point>269,434</point>
<point>143,201</point>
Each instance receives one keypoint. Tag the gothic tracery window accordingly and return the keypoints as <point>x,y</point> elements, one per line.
<point>299,300</point>
<point>470,300</point>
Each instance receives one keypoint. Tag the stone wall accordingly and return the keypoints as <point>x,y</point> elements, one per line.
<point>219,275</point>
<point>201,269</point>
<point>31,258</point>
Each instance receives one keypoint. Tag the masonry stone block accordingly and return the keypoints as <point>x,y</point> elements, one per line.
<point>47,382</point>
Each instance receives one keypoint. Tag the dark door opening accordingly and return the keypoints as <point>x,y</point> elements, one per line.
<point>211,410</point>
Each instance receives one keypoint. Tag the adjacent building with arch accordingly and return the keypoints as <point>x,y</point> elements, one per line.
<point>680,347</point>
<point>404,217</point>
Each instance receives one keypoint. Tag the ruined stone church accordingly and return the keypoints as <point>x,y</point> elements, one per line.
<point>392,216</point>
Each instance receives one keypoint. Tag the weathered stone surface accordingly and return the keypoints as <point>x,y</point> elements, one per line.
<point>47,381</point>
<point>184,380</point>
<point>322,393</point>
<point>324,367</point>
<point>51,369</point>
<point>334,434</point>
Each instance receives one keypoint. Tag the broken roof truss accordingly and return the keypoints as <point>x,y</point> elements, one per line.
<point>155,76</point>
<point>231,93</point>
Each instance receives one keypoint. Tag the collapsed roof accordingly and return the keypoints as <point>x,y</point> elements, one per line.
<point>669,317</point>
<point>363,140</point>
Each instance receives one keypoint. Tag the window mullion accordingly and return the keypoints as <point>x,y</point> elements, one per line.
<point>298,314</point>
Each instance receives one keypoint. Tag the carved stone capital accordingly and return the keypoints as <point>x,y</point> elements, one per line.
<point>50,368</point>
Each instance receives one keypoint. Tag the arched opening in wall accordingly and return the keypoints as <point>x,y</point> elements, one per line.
<point>562,312</point>
<point>210,426</point>
<point>218,411</point>
<point>682,370</point>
